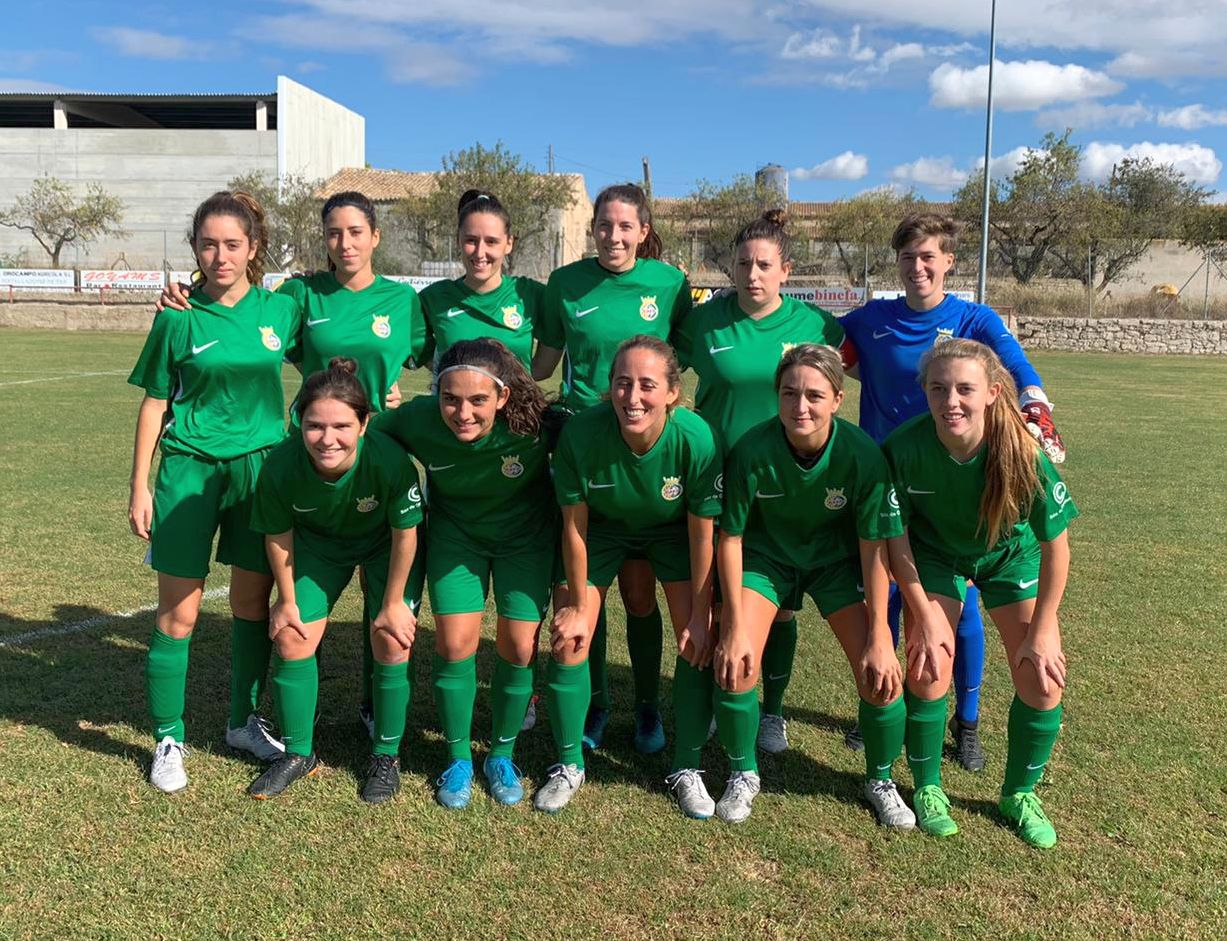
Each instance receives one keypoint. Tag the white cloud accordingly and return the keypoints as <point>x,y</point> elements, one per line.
<point>1191,117</point>
<point>1091,114</point>
<point>1017,86</point>
<point>819,44</point>
<point>845,166</point>
<point>147,44</point>
<point>1197,163</point>
<point>932,172</point>
<point>901,52</point>
<point>29,86</point>
<point>1006,164</point>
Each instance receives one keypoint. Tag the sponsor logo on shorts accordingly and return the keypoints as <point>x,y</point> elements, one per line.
<point>918,493</point>
<point>432,468</point>
<point>512,467</point>
<point>719,484</point>
<point>512,318</point>
<point>835,498</point>
<point>648,309</point>
<point>197,350</point>
<point>893,499</point>
<point>1029,583</point>
<point>366,504</point>
<point>767,496</point>
<point>671,489</point>
<point>380,326</point>
<point>592,485</point>
<point>270,339</point>
<point>415,495</point>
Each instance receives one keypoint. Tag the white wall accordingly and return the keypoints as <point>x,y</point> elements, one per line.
<point>161,175</point>
<point>316,137</point>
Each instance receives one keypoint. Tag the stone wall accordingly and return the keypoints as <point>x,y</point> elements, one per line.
<point>52,315</point>
<point>1121,336</point>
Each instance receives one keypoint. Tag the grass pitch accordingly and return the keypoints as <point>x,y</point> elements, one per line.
<point>1136,787</point>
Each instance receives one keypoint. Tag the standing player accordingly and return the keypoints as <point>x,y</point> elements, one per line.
<point>485,302</point>
<point>636,476</point>
<point>734,344</point>
<point>591,306</point>
<point>331,499</point>
<point>982,501</point>
<point>492,516</point>
<point>890,336</point>
<point>213,395</point>
<point>809,507</point>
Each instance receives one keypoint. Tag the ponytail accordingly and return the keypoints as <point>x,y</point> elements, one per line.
<point>652,246</point>
<point>247,210</point>
<point>340,382</point>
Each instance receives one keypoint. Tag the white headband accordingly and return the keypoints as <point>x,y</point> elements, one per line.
<point>485,372</point>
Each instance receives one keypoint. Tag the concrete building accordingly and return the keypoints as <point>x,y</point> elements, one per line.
<point>163,154</point>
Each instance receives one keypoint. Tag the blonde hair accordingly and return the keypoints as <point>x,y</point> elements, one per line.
<point>1011,480</point>
<point>817,356</point>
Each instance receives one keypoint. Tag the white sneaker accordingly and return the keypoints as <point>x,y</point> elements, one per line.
<point>530,715</point>
<point>256,737</point>
<point>772,733</point>
<point>888,806</point>
<point>735,805</point>
<point>561,783</point>
<point>167,773</point>
<point>691,793</point>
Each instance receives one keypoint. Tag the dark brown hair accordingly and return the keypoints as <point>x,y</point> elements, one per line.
<point>769,227</point>
<point>339,381</point>
<point>481,201</point>
<point>642,341</point>
<point>526,403</point>
<point>348,198</point>
<point>921,225</point>
<point>247,210</point>
<point>632,195</point>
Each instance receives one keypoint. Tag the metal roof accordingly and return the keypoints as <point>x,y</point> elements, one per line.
<point>135,96</point>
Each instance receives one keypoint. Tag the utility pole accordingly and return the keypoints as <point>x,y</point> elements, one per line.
<point>647,177</point>
<point>988,155</point>
<point>550,159</point>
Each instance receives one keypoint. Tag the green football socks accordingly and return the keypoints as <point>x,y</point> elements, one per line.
<point>883,728</point>
<point>926,729</point>
<point>568,692</point>
<point>166,681</point>
<point>250,647</point>
<point>645,643</point>
<point>1032,734</point>
<point>455,683</point>
<point>598,668</point>
<point>390,699</point>
<point>778,655</point>
<point>692,713</point>
<point>510,692</point>
<point>296,688</point>
<point>737,723</point>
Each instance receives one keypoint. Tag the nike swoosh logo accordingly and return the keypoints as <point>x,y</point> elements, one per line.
<point>506,738</point>
<point>432,467</point>
<point>312,323</point>
<point>713,350</point>
<point>304,509</point>
<point>919,492</point>
<point>453,741</point>
<point>197,350</point>
<point>918,760</point>
<point>1036,767</point>
<point>585,313</point>
<point>766,496</point>
<point>572,745</point>
<point>737,757</point>
<point>592,486</point>
<point>884,333</point>
<point>387,738</point>
<point>163,729</point>
<point>455,311</point>
<point>1025,585</point>
<point>885,767</point>
<point>779,676</point>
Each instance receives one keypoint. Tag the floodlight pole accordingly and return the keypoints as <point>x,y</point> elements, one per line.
<point>988,153</point>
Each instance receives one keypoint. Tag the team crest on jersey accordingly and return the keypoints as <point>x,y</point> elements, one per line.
<point>511,466</point>
<point>512,318</point>
<point>943,335</point>
<point>366,504</point>
<point>270,339</point>
<point>671,489</point>
<point>648,309</point>
<point>835,499</point>
<point>380,326</point>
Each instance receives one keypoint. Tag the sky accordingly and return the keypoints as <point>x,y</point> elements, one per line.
<point>847,95</point>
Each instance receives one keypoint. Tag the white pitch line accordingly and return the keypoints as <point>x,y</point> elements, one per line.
<point>79,375</point>
<point>97,621</point>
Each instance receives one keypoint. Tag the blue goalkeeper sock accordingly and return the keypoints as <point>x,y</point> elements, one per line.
<point>894,613</point>
<point>969,659</point>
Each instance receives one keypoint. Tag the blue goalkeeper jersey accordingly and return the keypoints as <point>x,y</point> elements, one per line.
<point>890,338</point>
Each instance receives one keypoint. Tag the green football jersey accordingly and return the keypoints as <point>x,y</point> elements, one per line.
<point>494,491</point>
<point>940,497</point>
<point>381,327</point>
<point>220,369</point>
<point>589,311</point>
<point>639,494</point>
<point>510,313</point>
<point>808,518</point>
<point>735,357</point>
<point>344,520</point>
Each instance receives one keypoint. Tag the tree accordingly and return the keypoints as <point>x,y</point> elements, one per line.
<point>56,217</point>
<point>860,229</point>
<point>1031,211</point>
<point>1140,202</point>
<point>292,215</point>
<point>533,200</point>
<point>715,212</point>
